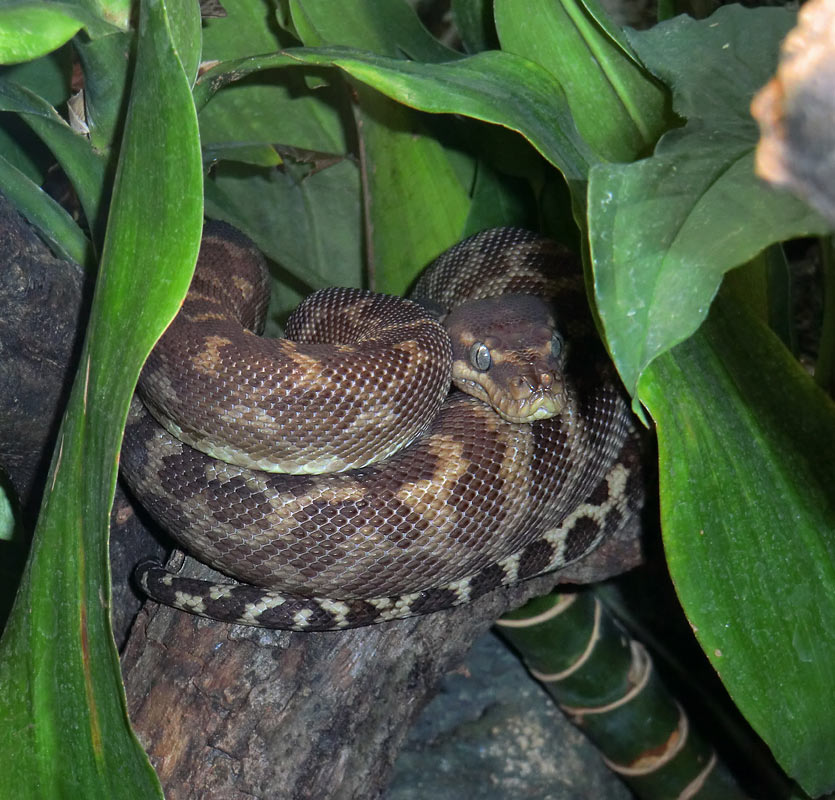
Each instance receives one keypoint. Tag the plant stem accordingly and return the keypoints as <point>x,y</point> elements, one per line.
<point>605,681</point>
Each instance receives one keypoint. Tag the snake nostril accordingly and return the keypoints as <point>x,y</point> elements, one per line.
<point>546,379</point>
<point>524,386</point>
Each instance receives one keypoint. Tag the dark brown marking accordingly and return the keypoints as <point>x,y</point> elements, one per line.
<point>579,536</point>
<point>535,558</point>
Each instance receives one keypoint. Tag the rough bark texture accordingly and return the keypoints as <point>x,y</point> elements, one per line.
<point>40,339</point>
<point>226,711</point>
<point>243,712</point>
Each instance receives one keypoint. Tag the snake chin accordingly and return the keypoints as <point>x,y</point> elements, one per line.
<point>538,405</point>
<point>543,407</point>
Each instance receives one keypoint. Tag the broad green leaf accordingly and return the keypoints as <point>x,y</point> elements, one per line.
<point>105,62</point>
<point>32,29</point>
<point>29,31</point>
<point>48,77</point>
<point>499,200</point>
<point>84,167</point>
<point>494,87</point>
<point>243,31</point>
<point>55,224</point>
<point>746,447</point>
<point>309,223</point>
<point>245,120</point>
<point>118,12</point>
<point>185,29</point>
<point>617,107</point>
<point>664,230</point>
<point>379,26</point>
<point>474,21</point>
<point>764,287</point>
<point>63,728</point>
<point>415,204</point>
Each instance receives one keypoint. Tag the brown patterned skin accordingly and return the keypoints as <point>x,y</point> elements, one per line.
<point>200,379</point>
<point>474,502</point>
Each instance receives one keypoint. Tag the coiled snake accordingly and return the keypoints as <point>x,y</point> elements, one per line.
<point>428,498</point>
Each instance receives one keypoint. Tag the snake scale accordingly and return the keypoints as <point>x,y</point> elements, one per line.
<point>394,496</point>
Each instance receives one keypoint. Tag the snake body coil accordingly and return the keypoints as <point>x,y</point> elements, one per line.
<point>470,500</point>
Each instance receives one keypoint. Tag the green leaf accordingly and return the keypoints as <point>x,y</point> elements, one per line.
<point>48,77</point>
<point>245,119</point>
<point>63,729</point>
<point>474,21</point>
<point>494,87</point>
<point>763,286</point>
<point>116,12</point>
<point>8,521</point>
<point>499,200</point>
<point>185,29</point>
<point>379,26</point>
<point>308,223</point>
<point>55,224</point>
<point>415,205</point>
<point>664,230</point>
<point>616,106</point>
<point>105,62</point>
<point>85,168</point>
<point>30,30</point>
<point>747,452</point>
<point>242,32</point>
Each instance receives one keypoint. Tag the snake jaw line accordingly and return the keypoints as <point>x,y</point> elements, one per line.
<point>538,405</point>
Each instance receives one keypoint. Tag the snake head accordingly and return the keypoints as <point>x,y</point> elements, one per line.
<point>508,352</point>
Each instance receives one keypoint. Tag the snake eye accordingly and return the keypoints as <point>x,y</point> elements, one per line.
<point>557,345</point>
<point>480,356</point>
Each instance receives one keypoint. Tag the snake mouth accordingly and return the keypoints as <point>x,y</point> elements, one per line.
<point>543,404</point>
<point>540,406</point>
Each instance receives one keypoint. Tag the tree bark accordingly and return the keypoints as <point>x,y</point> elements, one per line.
<point>41,300</point>
<point>228,711</point>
